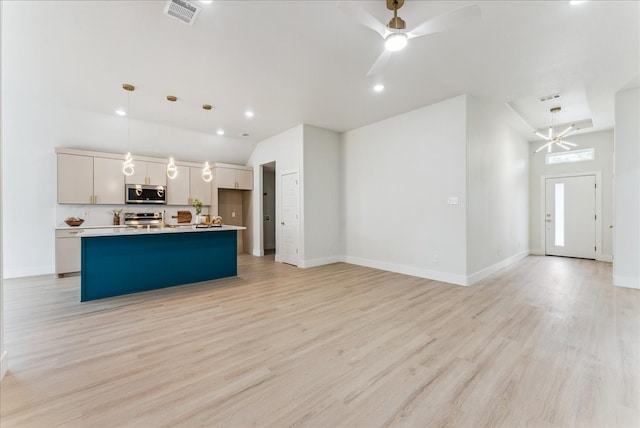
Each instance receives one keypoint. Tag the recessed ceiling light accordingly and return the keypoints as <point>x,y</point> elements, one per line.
<point>206,1</point>
<point>245,134</point>
<point>576,2</point>
<point>379,87</point>
<point>220,132</point>
<point>248,113</point>
<point>121,112</point>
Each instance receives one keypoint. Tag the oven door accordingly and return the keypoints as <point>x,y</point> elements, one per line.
<point>145,194</point>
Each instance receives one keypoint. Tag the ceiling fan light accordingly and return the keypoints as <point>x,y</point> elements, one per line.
<point>395,42</point>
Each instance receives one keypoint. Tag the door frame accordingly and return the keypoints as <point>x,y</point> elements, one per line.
<point>543,201</point>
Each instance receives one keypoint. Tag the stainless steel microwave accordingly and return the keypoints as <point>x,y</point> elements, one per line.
<point>145,194</point>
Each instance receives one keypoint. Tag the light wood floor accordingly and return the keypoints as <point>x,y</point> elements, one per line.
<point>546,342</point>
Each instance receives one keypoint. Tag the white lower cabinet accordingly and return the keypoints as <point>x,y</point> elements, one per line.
<point>67,251</point>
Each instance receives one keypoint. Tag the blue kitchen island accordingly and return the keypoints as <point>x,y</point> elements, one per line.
<point>118,261</point>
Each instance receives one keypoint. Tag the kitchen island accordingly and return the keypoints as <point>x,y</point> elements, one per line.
<point>118,261</point>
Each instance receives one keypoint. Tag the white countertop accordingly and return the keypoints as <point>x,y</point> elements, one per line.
<point>120,231</point>
<point>82,226</point>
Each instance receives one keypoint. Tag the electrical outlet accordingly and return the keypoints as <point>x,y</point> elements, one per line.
<point>453,200</point>
<point>233,214</point>
<point>85,213</point>
<point>436,258</point>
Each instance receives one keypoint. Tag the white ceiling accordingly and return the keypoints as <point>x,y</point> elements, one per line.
<point>298,62</point>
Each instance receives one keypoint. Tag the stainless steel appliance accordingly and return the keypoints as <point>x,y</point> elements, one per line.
<point>144,219</point>
<point>145,194</point>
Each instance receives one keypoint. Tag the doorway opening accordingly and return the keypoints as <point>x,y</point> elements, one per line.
<point>269,208</point>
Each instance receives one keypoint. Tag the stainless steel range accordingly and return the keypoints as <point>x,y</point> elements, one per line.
<point>144,219</point>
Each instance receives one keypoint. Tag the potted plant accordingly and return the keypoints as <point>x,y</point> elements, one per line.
<point>197,204</point>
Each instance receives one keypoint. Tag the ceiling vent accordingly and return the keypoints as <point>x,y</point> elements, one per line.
<point>182,10</point>
<point>549,97</point>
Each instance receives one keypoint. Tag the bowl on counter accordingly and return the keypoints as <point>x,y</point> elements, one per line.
<point>74,221</point>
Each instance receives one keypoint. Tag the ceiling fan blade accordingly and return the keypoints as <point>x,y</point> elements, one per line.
<point>361,15</point>
<point>569,144</point>
<point>447,21</point>
<point>562,145</point>
<point>380,63</point>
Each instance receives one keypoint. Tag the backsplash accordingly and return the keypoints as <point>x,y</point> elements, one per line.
<point>101,215</point>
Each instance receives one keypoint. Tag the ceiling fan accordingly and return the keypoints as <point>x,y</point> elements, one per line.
<point>395,34</point>
<point>558,139</point>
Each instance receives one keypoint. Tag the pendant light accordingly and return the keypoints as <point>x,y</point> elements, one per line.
<point>172,169</point>
<point>207,175</point>
<point>128,167</point>
<point>557,140</point>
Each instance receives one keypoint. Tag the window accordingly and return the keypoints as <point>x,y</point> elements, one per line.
<point>570,156</point>
<point>559,202</point>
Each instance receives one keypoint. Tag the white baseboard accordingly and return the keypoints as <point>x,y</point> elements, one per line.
<point>626,281</point>
<point>451,278</point>
<point>490,270</point>
<point>29,271</point>
<point>4,364</point>
<point>605,258</point>
<point>258,253</point>
<point>320,262</point>
<point>536,251</point>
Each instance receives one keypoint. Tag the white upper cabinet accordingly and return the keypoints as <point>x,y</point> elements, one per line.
<point>188,186</point>
<point>89,180</point>
<point>200,189</point>
<point>75,179</point>
<point>178,189</point>
<point>228,177</point>
<point>225,178</point>
<point>108,181</point>
<point>154,173</point>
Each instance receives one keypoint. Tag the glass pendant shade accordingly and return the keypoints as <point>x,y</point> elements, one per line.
<point>128,165</point>
<point>207,175</point>
<point>172,169</point>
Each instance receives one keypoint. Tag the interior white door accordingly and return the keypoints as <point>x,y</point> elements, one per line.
<point>290,221</point>
<point>570,216</point>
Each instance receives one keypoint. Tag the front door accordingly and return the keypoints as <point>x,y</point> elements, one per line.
<point>570,216</point>
<point>289,224</point>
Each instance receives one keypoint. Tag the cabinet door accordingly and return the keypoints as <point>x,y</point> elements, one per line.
<point>200,189</point>
<point>157,173</point>
<point>67,254</point>
<point>139,173</point>
<point>244,179</point>
<point>178,191</point>
<point>226,178</point>
<point>108,181</point>
<point>75,179</point>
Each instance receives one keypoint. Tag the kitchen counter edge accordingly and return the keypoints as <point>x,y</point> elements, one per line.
<point>122,231</point>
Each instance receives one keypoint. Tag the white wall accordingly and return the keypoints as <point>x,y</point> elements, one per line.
<point>32,130</point>
<point>626,250</point>
<point>321,207</point>
<point>497,191</point>
<point>4,362</point>
<point>285,150</point>
<point>397,176</point>
<point>602,143</point>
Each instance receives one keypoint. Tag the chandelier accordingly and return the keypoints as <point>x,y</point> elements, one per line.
<point>557,140</point>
